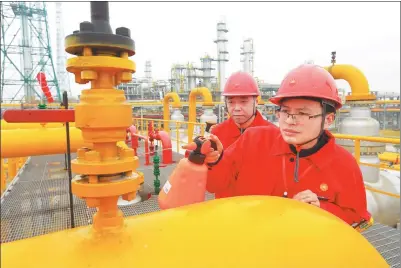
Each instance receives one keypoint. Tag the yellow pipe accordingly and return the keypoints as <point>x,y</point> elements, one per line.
<point>207,101</point>
<point>166,110</point>
<point>3,182</point>
<point>12,168</point>
<point>389,133</point>
<point>387,102</point>
<point>367,138</point>
<point>375,110</point>
<point>390,157</point>
<point>355,78</point>
<point>5,125</point>
<point>45,141</point>
<point>264,231</point>
<point>367,187</point>
<point>260,101</point>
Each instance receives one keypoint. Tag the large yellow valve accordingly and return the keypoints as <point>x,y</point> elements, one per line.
<point>107,171</point>
<point>241,232</point>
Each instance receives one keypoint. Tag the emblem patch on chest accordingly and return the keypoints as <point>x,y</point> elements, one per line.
<point>324,187</point>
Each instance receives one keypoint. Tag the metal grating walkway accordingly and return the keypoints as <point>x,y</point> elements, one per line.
<point>37,203</point>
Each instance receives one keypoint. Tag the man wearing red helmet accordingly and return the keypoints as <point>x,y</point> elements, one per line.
<point>300,159</point>
<point>240,92</point>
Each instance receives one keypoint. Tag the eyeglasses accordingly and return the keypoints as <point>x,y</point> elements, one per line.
<point>299,118</point>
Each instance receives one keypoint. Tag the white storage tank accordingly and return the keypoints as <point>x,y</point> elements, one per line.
<point>176,116</point>
<point>207,116</point>
<point>384,208</point>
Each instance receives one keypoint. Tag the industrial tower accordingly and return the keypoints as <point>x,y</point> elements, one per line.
<point>247,56</point>
<point>222,53</point>
<point>62,75</point>
<point>25,52</point>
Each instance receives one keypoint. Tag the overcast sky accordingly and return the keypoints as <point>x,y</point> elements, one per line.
<point>285,35</point>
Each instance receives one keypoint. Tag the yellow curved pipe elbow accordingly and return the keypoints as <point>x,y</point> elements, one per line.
<point>260,101</point>
<point>355,78</point>
<point>5,125</point>
<point>207,101</point>
<point>166,111</point>
<point>43,141</point>
<point>263,232</point>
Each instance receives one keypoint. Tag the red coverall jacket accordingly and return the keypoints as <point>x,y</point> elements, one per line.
<point>262,163</point>
<point>228,132</point>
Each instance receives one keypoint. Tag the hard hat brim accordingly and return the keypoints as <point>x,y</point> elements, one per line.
<point>236,94</point>
<point>279,98</point>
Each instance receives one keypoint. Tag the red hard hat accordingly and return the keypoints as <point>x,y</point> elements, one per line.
<point>241,84</point>
<point>308,80</point>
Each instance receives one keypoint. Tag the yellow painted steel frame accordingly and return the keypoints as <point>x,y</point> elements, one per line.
<point>356,79</point>
<point>207,101</point>
<point>103,116</point>
<point>166,110</point>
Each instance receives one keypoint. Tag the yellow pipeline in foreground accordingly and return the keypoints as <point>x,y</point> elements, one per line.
<point>43,141</point>
<point>249,231</point>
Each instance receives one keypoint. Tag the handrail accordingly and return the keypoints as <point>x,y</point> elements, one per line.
<point>10,170</point>
<point>357,144</point>
<point>367,138</point>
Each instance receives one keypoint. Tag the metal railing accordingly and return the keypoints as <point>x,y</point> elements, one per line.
<point>9,170</point>
<point>177,128</point>
<point>357,144</point>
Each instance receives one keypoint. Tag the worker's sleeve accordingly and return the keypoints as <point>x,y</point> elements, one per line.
<point>224,171</point>
<point>350,204</point>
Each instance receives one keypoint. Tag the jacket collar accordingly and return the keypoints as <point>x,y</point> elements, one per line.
<point>235,131</point>
<point>320,158</point>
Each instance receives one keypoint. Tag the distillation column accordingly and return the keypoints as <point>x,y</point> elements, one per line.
<point>62,75</point>
<point>247,56</point>
<point>148,72</point>
<point>207,71</point>
<point>222,53</point>
<point>191,76</point>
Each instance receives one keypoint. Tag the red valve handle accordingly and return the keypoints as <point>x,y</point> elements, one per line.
<point>39,116</point>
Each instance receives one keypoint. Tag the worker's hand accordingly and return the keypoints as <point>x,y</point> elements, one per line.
<point>212,127</point>
<point>307,196</point>
<point>213,156</point>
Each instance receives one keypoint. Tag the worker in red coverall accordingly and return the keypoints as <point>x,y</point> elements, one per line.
<point>298,160</point>
<point>240,92</point>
